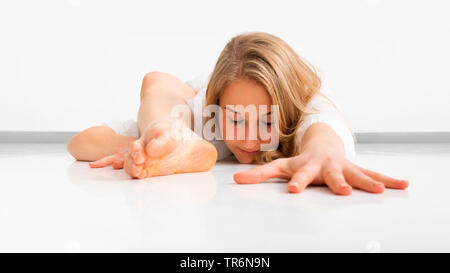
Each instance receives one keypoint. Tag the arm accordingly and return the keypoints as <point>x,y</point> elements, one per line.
<point>97,142</point>
<point>324,143</point>
<point>320,135</point>
<point>322,161</point>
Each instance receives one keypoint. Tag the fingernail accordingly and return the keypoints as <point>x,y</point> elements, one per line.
<point>293,188</point>
<point>346,189</point>
<point>380,187</point>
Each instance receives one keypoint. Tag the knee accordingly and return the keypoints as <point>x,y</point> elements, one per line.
<point>157,83</point>
<point>151,79</point>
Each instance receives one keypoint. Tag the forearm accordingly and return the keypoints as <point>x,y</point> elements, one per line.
<point>97,142</point>
<point>319,136</point>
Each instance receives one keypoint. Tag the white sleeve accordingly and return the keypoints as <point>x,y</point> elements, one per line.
<point>124,128</point>
<point>200,82</point>
<point>333,117</point>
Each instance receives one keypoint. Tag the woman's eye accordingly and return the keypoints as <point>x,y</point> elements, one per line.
<point>266,123</point>
<point>236,121</point>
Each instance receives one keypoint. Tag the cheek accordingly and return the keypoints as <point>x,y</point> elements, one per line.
<point>231,143</point>
<point>222,126</point>
<point>228,130</point>
<point>266,137</point>
<point>267,133</point>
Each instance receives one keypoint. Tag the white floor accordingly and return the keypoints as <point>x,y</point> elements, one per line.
<point>49,202</point>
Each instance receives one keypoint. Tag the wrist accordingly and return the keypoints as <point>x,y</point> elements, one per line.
<point>324,149</point>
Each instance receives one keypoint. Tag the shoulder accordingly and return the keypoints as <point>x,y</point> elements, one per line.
<point>324,100</point>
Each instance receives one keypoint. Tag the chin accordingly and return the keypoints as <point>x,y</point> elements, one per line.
<point>244,160</point>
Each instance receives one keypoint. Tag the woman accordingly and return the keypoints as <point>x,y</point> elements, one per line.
<point>314,145</point>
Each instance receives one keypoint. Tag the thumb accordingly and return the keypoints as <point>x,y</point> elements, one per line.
<point>260,173</point>
<point>105,161</point>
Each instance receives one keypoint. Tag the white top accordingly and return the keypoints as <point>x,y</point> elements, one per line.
<point>329,114</point>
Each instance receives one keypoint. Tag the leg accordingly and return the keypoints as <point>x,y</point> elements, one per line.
<point>160,92</point>
<point>160,150</point>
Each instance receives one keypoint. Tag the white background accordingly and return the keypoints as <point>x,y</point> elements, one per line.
<point>67,65</point>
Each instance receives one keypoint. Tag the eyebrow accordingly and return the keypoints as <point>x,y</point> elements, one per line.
<point>234,111</point>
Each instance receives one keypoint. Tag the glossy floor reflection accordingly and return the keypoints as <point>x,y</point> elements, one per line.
<point>49,202</point>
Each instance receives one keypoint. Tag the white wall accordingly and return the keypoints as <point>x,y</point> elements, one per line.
<point>69,64</point>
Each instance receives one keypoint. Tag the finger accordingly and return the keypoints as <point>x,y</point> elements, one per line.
<point>105,161</point>
<point>261,173</point>
<point>335,180</point>
<point>303,177</point>
<point>358,179</point>
<point>386,180</point>
<point>131,168</point>
<point>138,152</point>
<point>161,146</point>
<point>118,164</point>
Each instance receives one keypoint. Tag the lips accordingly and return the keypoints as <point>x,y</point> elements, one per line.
<point>249,152</point>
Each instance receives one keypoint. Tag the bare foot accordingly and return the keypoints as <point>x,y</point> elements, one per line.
<point>169,147</point>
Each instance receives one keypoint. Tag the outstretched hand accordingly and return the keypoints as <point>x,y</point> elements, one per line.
<point>320,167</point>
<point>131,159</point>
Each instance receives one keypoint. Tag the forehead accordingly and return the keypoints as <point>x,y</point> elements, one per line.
<point>245,92</point>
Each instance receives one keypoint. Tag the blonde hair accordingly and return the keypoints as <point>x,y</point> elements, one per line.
<point>269,61</point>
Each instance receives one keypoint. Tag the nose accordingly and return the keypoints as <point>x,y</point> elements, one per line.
<point>251,141</point>
<point>250,145</point>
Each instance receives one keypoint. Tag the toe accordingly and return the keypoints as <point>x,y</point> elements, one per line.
<point>138,152</point>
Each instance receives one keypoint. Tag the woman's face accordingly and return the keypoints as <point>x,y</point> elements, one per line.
<point>241,129</point>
